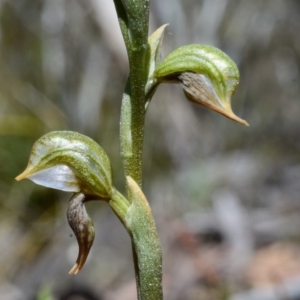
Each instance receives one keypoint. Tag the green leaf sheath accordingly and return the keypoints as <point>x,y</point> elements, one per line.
<point>142,228</point>
<point>153,58</point>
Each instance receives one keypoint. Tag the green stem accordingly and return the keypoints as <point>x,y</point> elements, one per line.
<point>132,135</point>
<point>135,33</point>
<point>146,248</point>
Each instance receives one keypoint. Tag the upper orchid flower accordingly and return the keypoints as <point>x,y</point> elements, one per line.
<point>207,75</point>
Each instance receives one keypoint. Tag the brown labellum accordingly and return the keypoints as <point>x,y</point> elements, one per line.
<point>199,89</point>
<point>83,228</point>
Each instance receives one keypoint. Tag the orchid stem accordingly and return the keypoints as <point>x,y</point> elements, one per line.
<point>133,18</point>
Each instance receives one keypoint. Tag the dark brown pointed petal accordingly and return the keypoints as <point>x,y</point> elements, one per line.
<point>83,228</point>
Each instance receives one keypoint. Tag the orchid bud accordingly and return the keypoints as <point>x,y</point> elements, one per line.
<point>83,228</point>
<point>207,75</point>
<point>72,162</point>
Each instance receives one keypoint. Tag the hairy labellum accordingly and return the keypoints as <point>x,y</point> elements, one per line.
<point>199,89</point>
<point>83,228</point>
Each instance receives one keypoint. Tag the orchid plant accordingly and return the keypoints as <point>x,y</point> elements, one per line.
<point>72,162</point>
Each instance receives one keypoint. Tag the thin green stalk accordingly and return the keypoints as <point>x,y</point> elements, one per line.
<point>132,134</point>
<point>134,27</point>
<point>119,205</point>
<point>129,161</point>
<point>146,248</point>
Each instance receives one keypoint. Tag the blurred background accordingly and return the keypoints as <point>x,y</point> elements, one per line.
<point>225,197</point>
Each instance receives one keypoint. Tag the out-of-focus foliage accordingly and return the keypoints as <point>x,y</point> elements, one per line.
<point>63,66</point>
